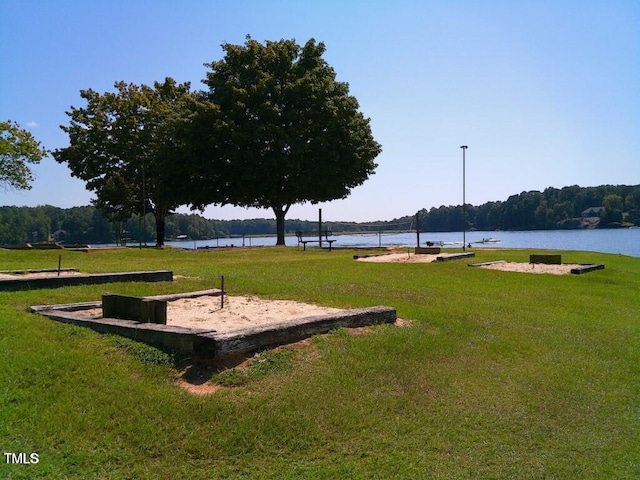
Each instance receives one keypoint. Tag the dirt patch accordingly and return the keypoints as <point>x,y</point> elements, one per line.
<point>194,379</point>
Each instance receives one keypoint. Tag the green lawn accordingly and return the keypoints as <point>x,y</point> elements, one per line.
<point>499,375</point>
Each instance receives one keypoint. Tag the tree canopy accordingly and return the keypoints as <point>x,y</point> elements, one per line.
<point>17,148</point>
<point>285,130</point>
<point>274,129</point>
<point>128,145</point>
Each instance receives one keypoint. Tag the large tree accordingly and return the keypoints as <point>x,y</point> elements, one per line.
<point>17,148</point>
<point>128,146</point>
<point>285,130</point>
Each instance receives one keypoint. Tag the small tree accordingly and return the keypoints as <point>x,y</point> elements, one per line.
<point>284,131</point>
<point>17,148</point>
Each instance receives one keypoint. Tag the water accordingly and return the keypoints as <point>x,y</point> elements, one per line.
<point>624,241</point>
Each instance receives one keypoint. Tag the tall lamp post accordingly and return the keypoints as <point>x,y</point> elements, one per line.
<point>464,216</point>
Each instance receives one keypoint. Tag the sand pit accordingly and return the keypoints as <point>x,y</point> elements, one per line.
<point>195,325</point>
<point>205,312</point>
<point>11,280</point>
<point>409,257</point>
<point>538,268</point>
<point>398,258</point>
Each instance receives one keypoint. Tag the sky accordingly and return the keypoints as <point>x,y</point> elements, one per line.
<point>544,93</point>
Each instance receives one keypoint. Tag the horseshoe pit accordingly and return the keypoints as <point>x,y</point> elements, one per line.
<point>209,325</point>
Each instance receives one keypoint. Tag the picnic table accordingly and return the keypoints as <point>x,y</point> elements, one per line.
<point>306,237</point>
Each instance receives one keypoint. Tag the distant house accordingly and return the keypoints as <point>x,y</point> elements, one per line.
<point>593,212</point>
<point>60,235</point>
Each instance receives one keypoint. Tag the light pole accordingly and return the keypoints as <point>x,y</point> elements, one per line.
<point>464,216</point>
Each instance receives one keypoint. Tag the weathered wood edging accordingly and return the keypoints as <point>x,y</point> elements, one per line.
<point>38,270</point>
<point>268,335</point>
<point>548,259</point>
<point>427,250</point>
<point>587,268</point>
<point>486,264</point>
<point>369,255</point>
<point>14,284</point>
<point>454,256</point>
<point>209,343</point>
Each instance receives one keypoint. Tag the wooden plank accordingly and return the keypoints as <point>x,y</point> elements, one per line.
<point>39,270</point>
<point>212,292</point>
<point>546,259</point>
<point>167,337</point>
<point>281,333</point>
<point>356,257</point>
<point>65,307</point>
<point>455,256</point>
<point>587,268</point>
<point>486,264</point>
<point>428,250</point>
<point>124,307</point>
<point>14,284</point>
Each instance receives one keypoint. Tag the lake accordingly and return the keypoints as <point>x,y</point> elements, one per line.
<point>625,241</point>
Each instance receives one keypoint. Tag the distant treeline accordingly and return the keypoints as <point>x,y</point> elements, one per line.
<point>86,225</point>
<point>565,208</point>
<point>551,209</point>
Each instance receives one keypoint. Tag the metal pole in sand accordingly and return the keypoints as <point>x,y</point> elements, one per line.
<point>222,291</point>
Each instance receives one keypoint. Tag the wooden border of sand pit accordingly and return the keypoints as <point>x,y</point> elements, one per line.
<point>208,343</point>
<point>539,268</point>
<point>47,278</point>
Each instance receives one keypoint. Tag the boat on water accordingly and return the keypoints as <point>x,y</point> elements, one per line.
<point>489,240</point>
<point>440,243</point>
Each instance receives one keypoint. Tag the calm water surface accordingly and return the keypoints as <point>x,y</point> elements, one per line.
<point>624,241</point>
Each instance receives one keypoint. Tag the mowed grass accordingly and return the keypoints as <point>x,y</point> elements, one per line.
<point>499,375</point>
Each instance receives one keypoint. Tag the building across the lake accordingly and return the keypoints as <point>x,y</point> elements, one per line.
<point>593,212</point>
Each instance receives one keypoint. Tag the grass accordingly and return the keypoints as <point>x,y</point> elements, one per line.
<point>262,364</point>
<point>500,375</point>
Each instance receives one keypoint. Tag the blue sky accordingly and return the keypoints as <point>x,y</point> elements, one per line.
<point>544,93</point>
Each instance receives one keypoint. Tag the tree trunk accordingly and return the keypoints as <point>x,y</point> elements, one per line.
<point>160,226</point>
<point>281,212</point>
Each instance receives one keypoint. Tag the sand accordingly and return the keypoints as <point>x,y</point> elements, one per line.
<point>399,258</point>
<point>205,313</point>
<point>538,268</point>
<point>238,312</point>
<point>26,276</point>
